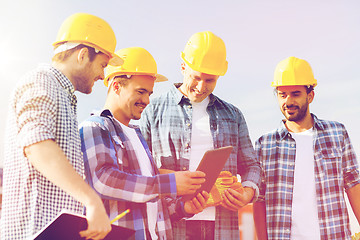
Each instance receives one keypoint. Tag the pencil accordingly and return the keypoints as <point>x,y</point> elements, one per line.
<point>120,215</point>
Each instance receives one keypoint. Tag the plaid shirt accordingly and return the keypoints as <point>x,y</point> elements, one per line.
<point>43,106</point>
<point>166,125</point>
<point>112,169</point>
<point>336,170</point>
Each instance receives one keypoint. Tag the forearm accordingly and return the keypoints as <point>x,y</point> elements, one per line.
<point>48,158</point>
<point>354,199</point>
<point>260,220</point>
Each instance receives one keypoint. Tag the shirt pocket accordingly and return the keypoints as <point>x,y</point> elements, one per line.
<point>331,163</point>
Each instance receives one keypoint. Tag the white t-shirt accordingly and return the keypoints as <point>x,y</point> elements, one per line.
<point>305,221</point>
<point>201,141</point>
<point>146,170</point>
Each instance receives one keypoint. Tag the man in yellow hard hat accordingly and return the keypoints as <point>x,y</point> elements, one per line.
<point>188,120</point>
<point>308,164</point>
<point>120,166</point>
<point>43,166</point>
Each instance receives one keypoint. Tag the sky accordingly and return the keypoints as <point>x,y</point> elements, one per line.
<point>258,34</point>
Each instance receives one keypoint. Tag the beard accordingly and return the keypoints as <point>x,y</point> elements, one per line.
<point>297,116</point>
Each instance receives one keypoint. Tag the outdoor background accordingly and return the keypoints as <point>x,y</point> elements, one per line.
<point>258,34</point>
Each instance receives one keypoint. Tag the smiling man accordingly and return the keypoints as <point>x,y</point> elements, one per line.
<point>118,163</point>
<point>43,166</point>
<point>308,164</point>
<point>185,122</point>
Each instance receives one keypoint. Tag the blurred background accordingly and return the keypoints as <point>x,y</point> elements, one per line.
<point>258,34</point>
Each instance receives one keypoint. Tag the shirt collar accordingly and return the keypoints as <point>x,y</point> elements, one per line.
<point>283,131</point>
<point>181,97</point>
<point>63,80</point>
<point>107,113</point>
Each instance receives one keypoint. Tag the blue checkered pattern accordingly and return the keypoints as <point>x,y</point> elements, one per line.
<point>112,169</point>
<point>166,124</point>
<point>43,106</point>
<point>336,170</point>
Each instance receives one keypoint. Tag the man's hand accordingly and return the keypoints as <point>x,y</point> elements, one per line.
<point>197,204</point>
<point>49,159</point>
<point>188,182</point>
<point>234,200</point>
<point>98,222</point>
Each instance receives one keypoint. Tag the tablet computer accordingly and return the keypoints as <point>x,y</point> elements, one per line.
<point>211,164</point>
<point>67,225</point>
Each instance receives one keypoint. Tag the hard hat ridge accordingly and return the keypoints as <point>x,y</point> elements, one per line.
<point>205,52</point>
<point>293,71</point>
<point>89,30</point>
<point>137,61</point>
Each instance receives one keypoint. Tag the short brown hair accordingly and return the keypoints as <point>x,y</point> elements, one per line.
<point>307,88</point>
<point>123,80</point>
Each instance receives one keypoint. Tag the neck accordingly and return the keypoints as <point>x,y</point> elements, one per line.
<point>300,126</point>
<point>181,90</point>
<point>64,69</point>
<point>117,113</point>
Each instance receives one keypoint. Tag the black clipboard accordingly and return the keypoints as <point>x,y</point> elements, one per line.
<point>67,225</point>
<point>211,164</point>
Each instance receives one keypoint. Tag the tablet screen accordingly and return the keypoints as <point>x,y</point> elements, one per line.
<point>211,164</point>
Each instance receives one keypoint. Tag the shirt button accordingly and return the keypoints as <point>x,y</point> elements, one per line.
<point>292,145</point>
<point>189,106</point>
<point>287,230</point>
<point>186,145</point>
<point>184,168</point>
<point>188,124</point>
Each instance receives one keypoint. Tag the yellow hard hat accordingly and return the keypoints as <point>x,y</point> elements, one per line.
<point>293,72</point>
<point>205,52</point>
<point>89,30</point>
<point>137,61</point>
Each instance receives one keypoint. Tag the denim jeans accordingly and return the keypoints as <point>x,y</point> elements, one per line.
<point>200,230</point>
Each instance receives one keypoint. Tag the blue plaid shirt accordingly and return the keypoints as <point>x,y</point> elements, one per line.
<point>336,170</point>
<point>112,169</point>
<point>166,124</point>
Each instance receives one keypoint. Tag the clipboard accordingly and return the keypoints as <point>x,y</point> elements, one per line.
<point>67,225</point>
<point>211,164</point>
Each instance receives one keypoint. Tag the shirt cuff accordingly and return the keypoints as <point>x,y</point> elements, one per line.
<point>253,186</point>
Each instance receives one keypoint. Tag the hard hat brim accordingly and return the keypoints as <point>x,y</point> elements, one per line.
<point>160,78</point>
<point>115,60</point>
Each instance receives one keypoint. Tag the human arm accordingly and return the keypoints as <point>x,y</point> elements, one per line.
<point>115,173</point>
<point>41,108</point>
<point>259,212</point>
<point>247,166</point>
<point>354,199</point>
<point>351,175</point>
<point>50,161</point>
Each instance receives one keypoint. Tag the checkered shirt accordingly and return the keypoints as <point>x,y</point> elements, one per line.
<point>112,169</point>
<point>336,170</point>
<point>42,107</point>
<point>166,124</point>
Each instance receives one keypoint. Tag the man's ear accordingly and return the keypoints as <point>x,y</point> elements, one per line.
<point>82,54</point>
<point>115,86</point>
<point>311,96</point>
<point>183,67</point>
